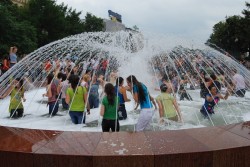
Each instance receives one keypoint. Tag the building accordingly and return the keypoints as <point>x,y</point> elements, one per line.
<point>20,2</point>
<point>113,26</point>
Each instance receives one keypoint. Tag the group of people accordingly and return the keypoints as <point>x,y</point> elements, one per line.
<point>194,72</point>
<point>79,93</point>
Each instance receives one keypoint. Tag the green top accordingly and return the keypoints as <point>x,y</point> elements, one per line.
<point>110,111</point>
<point>77,99</point>
<point>167,102</point>
<point>16,99</point>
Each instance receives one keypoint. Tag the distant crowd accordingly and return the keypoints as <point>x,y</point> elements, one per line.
<point>80,86</point>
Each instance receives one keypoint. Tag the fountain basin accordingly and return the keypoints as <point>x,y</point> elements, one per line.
<point>211,147</point>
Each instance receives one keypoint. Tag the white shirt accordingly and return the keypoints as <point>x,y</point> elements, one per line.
<point>239,82</point>
<point>85,65</point>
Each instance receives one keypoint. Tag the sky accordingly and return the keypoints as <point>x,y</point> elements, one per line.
<point>192,19</point>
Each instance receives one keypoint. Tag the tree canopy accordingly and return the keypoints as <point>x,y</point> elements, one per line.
<point>233,34</point>
<point>40,22</point>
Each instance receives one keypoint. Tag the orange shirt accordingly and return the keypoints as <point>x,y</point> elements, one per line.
<point>48,65</point>
<point>5,64</point>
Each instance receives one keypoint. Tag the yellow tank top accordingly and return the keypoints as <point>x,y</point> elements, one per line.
<point>16,99</point>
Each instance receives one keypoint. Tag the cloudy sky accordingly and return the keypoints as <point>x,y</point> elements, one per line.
<point>193,19</point>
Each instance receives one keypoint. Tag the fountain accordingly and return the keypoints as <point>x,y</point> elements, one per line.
<point>146,56</point>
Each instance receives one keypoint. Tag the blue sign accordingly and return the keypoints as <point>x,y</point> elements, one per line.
<point>116,15</point>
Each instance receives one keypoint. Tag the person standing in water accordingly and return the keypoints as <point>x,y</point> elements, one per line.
<point>211,99</point>
<point>76,98</point>
<point>168,107</point>
<point>142,98</point>
<point>16,91</point>
<point>239,84</point>
<point>121,91</point>
<point>109,109</point>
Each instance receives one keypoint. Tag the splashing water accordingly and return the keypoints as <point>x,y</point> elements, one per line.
<point>128,53</point>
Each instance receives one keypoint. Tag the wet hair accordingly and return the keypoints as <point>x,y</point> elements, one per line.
<point>74,82</point>
<point>20,82</point>
<point>71,78</point>
<point>213,86</point>
<point>163,88</point>
<point>59,75</point>
<point>213,76</point>
<point>119,81</point>
<point>64,77</point>
<point>109,89</point>
<point>50,78</point>
<point>141,94</point>
<point>87,71</point>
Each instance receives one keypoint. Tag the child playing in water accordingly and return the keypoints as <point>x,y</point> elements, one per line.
<point>211,100</point>
<point>168,107</point>
<point>16,92</point>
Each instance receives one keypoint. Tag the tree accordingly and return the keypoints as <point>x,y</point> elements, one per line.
<point>40,22</point>
<point>92,23</point>
<point>15,31</point>
<point>246,28</point>
<point>233,34</point>
<point>48,18</point>
<point>74,25</point>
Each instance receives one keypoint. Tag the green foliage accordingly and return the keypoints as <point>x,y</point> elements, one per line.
<point>233,34</point>
<point>92,23</point>
<point>15,31</point>
<point>39,23</point>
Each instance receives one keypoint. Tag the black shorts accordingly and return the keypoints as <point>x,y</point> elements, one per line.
<point>16,113</point>
<point>110,124</point>
<point>240,93</point>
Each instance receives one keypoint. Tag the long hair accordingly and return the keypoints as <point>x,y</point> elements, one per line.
<point>74,82</point>
<point>141,94</point>
<point>109,89</point>
<point>50,78</point>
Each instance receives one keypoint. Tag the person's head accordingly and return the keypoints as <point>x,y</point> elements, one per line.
<point>74,82</point>
<point>60,75</point>
<point>86,78</point>
<point>88,71</point>
<point>70,78</point>
<point>164,88</point>
<point>119,81</point>
<point>213,76</point>
<point>64,77</point>
<point>14,49</point>
<point>131,80</point>
<point>50,78</point>
<point>213,90</point>
<point>18,82</point>
<point>109,89</point>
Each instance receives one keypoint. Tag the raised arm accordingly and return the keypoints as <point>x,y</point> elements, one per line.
<point>224,97</point>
